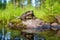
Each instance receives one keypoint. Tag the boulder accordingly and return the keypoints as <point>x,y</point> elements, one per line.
<point>16,24</point>
<point>33,23</point>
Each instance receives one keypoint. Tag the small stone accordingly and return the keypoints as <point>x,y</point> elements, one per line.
<point>54,26</point>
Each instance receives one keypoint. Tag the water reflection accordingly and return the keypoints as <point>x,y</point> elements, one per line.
<point>8,36</point>
<point>0,36</point>
<point>36,37</point>
<point>16,38</point>
<point>3,34</point>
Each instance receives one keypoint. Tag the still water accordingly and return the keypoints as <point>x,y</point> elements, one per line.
<point>7,36</point>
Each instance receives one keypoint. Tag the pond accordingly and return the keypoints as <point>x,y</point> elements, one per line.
<point>7,36</point>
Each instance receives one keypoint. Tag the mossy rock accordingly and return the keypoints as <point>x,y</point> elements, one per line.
<point>49,18</point>
<point>16,21</point>
<point>17,24</point>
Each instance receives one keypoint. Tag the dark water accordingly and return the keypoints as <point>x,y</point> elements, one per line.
<point>7,36</point>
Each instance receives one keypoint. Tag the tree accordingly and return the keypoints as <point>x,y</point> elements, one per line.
<point>15,2</point>
<point>4,4</point>
<point>0,3</point>
<point>29,2</point>
<point>37,3</point>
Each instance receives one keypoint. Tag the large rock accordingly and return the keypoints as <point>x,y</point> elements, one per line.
<point>33,23</point>
<point>29,23</point>
<point>16,24</point>
<point>35,26</point>
<point>28,20</point>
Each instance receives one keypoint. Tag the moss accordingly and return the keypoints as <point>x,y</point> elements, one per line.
<point>17,24</point>
<point>15,21</point>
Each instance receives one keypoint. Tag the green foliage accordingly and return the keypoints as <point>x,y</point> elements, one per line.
<point>47,12</point>
<point>49,18</point>
<point>56,8</point>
